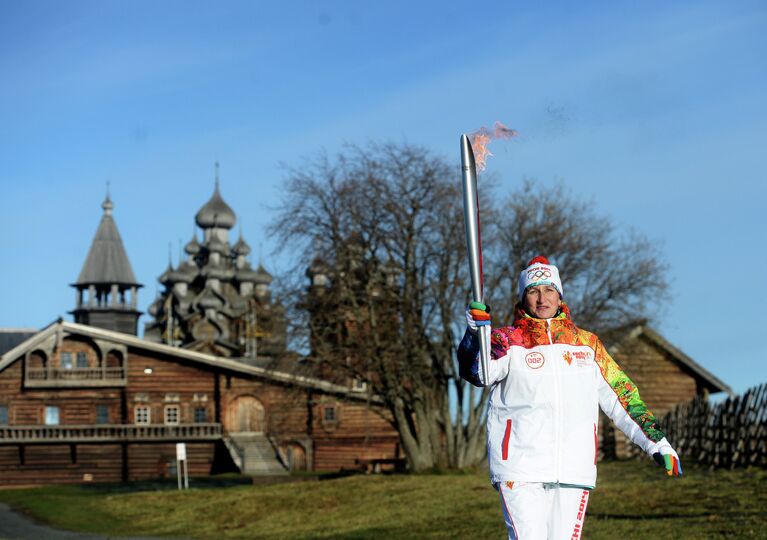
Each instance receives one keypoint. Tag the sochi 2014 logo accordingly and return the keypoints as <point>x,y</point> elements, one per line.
<point>534,360</point>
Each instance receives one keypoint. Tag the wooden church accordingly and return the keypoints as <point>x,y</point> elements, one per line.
<point>91,401</point>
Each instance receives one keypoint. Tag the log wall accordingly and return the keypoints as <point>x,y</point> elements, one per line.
<point>295,418</point>
<point>662,384</point>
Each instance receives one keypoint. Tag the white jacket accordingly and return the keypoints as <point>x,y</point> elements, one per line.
<point>548,378</point>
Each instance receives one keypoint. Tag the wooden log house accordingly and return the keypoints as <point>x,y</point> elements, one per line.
<point>664,374</point>
<point>80,403</point>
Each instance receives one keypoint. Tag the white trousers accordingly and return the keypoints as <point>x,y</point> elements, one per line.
<point>537,511</point>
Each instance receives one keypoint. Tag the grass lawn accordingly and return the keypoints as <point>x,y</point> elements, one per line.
<point>633,500</point>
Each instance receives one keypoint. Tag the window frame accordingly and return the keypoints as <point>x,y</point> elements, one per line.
<point>81,360</point>
<point>197,410</point>
<point>99,417</point>
<point>140,410</point>
<point>48,415</point>
<point>69,364</point>
<point>166,419</point>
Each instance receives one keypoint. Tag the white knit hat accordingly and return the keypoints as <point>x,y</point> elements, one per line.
<point>539,272</point>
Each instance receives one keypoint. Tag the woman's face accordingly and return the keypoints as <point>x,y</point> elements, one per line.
<point>542,301</point>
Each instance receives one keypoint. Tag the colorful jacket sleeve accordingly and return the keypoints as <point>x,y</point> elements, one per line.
<point>468,357</point>
<point>619,399</point>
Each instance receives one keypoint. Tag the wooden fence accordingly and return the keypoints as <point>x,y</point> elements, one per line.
<point>729,434</point>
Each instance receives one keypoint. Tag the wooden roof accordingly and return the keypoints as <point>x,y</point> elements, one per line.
<point>63,328</point>
<point>712,383</point>
<point>107,262</point>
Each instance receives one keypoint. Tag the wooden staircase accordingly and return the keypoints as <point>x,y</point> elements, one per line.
<point>254,454</point>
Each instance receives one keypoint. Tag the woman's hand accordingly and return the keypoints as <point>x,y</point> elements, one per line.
<point>477,314</point>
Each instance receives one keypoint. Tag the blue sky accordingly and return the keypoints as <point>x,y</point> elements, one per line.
<point>655,111</point>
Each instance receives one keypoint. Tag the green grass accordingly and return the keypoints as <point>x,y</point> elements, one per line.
<point>633,500</point>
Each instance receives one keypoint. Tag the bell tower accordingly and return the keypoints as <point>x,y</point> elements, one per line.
<point>107,291</point>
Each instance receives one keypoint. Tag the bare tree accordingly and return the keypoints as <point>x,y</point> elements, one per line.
<point>380,229</point>
<point>609,276</point>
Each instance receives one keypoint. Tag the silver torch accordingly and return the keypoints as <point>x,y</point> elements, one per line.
<point>474,245</point>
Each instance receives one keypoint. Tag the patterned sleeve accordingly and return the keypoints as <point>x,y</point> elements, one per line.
<point>468,356</point>
<point>619,399</point>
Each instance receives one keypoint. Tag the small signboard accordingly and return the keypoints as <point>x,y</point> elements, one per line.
<point>182,468</point>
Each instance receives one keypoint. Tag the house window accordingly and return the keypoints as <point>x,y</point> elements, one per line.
<point>200,415</point>
<point>3,414</point>
<point>66,360</point>
<point>51,416</point>
<point>172,414</point>
<point>102,414</point>
<point>329,415</point>
<point>142,414</point>
<point>82,360</point>
<point>170,467</point>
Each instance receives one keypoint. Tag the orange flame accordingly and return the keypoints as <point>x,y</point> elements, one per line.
<point>482,137</point>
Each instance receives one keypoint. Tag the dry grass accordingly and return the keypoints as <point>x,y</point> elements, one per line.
<point>633,500</point>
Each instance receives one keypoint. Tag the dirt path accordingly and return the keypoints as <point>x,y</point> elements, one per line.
<point>14,526</point>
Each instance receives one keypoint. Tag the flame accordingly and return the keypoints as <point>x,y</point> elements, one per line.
<point>482,137</point>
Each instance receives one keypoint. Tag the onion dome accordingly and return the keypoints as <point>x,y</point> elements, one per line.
<point>263,276</point>
<point>188,269</point>
<point>317,266</point>
<point>246,275</point>
<point>215,213</point>
<point>318,272</point>
<point>241,247</point>
<point>166,277</point>
<point>257,276</point>
<point>181,275</point>
<point>171,276</point>
<point>192,247</point>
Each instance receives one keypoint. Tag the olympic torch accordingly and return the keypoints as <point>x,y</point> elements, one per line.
<point>474,245</point>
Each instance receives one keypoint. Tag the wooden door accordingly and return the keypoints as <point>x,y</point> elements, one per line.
<point>296,457</point>
<point>245,414</point>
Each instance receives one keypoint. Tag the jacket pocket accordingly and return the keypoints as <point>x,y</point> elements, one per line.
<point>596,444</point>
<point>506,436</point>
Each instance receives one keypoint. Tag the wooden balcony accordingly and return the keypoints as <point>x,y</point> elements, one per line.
<point>75,377</point>
<point>110,433</point>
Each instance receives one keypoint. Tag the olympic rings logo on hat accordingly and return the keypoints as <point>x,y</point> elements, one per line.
<point>538,274</point>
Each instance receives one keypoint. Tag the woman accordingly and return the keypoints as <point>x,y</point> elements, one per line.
<point>548,378</point>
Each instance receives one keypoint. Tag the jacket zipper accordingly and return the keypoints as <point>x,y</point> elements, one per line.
<point>557,406</point>
<point>548,331</point>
